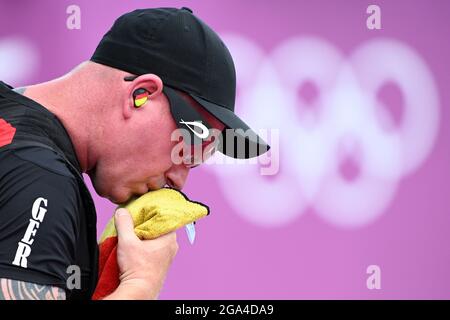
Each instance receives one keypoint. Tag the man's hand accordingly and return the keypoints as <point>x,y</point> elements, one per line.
<point>143,264</point>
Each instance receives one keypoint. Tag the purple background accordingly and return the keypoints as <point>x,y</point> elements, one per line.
<point>308,257</point>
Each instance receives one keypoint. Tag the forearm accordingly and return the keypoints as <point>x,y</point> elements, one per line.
<point>20,290</point>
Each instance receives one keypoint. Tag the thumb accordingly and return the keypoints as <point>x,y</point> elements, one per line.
<point>124,225</point>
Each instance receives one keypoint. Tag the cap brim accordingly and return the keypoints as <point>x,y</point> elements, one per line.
<point>182,112</point>
<point>241,142</point>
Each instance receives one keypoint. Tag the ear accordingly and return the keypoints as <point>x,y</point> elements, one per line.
<point>150,82</point>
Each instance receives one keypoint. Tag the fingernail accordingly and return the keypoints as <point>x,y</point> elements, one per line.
<point>120,212</point>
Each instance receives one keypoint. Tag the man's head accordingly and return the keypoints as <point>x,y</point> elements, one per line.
<point>131,148</point>
<point>189,81</point>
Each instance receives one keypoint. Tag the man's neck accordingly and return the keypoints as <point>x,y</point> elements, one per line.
<point>57,96</point>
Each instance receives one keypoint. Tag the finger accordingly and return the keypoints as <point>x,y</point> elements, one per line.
<point>164,239</point>
<point>124,225</point>
<point>171,236</point>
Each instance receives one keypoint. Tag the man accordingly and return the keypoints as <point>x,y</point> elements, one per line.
<point>156,72</point>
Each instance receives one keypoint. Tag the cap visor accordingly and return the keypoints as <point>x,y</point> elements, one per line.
<point>183,112</point>
<point>241,142</point>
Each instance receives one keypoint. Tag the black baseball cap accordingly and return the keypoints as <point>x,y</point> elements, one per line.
<point>190,57</point>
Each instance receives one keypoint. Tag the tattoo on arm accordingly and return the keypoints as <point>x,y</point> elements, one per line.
<point>21,290</point>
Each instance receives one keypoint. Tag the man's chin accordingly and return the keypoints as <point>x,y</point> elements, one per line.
<point>118,199</point>
<point>115,197</point>
<point>112,195</point>
<point>123,197</point>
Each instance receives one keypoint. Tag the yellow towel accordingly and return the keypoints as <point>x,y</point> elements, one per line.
<point>154,214</point>
<point>159,212</point>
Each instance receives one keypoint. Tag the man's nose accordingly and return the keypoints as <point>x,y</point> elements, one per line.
<point>176,176</point>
